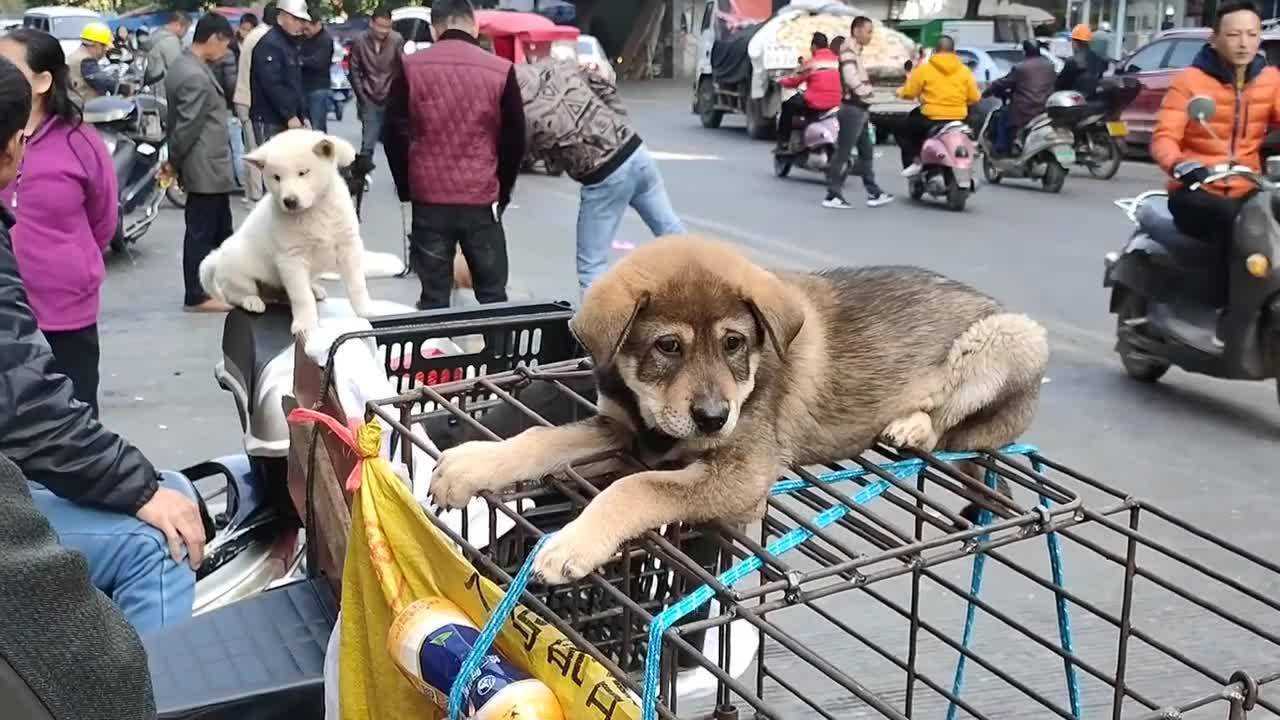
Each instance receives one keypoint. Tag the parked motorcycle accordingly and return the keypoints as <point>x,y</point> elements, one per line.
<point>339,84</point>
<point>1100,133</point>
<point>946,162</point>
<point>132,125</point>
<point>1043,150</point>
<point>1166,287</point>
<point>815,149</point>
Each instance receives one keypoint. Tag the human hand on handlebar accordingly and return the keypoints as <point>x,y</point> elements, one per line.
<point>1190,173</point>
<point>178,517</point>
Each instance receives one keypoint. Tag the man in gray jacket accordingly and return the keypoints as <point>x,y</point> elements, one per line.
<point>166,44</point>
<point>200,151</point>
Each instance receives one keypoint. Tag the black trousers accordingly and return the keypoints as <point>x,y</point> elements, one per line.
<point>912,133</point>
<point>438,231</point>
<point>795,105</point>
<point>1208,217</point>
<point>208,224</point>
<point>76,354</point>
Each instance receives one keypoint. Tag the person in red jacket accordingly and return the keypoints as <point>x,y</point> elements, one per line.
<point>821,77</point>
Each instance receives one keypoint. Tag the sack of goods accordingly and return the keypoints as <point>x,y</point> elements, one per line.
<point>884,58</point>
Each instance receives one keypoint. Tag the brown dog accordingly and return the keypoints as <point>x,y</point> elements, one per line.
<point>723,374</point>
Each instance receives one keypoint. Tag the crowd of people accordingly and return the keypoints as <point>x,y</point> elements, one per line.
<point>456,122</point>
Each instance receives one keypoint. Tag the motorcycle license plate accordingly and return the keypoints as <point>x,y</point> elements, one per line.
<point>1065,154</point>
<point>1118,128</point>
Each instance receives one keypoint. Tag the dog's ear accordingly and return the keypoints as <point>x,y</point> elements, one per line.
<point>336,149</point>
<point>604,321</point>
<point>779,316</point>
<point>257,158</point>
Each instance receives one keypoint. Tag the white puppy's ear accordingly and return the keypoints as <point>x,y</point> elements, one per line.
<point>257,158</point>
<point>336,149</point>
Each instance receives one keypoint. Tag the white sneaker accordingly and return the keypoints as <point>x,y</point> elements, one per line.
<point>836,203</point>
<point>883,198</point>
<point>912,170</point>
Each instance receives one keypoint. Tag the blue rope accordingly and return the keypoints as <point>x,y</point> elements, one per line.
<point>475,659</point>
<point>1064,615</point>
<point>970,615</point>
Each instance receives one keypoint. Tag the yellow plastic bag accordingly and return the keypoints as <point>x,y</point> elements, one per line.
<point>396,556</point>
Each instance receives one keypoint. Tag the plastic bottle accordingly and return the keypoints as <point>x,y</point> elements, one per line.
<point>428,642</point>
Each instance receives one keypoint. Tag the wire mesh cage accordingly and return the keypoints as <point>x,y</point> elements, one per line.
<point>864,592</point>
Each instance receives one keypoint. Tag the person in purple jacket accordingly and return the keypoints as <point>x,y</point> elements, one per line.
<point>67,214</point>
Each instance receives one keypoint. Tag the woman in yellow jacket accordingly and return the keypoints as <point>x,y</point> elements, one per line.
<point>946,89</point>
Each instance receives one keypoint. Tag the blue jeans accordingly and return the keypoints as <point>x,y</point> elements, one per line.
<point>635,183</point>
<point>1005,132</point>
<point>318,102</point>
<point>372,118</point>
<point>236,131</point>
<point>128,559</point>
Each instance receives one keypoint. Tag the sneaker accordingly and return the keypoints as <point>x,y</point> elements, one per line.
<point>912,170</point>
<point>879,199</point>
<point>836,203</point>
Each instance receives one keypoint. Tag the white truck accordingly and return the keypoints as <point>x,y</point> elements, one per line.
<point>741,58</point>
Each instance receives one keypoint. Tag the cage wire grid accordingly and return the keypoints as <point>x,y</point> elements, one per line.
<point>1082,602</point>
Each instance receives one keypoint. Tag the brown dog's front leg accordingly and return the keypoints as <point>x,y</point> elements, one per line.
<point>467,469</point>
<point>625,510</point>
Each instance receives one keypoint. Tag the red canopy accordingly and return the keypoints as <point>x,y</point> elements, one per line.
<point>529,26</point>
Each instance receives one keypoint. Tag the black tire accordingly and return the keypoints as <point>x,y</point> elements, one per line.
<point>915,188</point>
<point>956,195</point>
<point>1105,165</point>
<point>1055,176</point>
<point>118,243</point>
<point>176,195</point>
<point>707,113</point>
<point>781,166</point>
<point>759,127</point>
<point>989,171</point>
<point>1140,368</point>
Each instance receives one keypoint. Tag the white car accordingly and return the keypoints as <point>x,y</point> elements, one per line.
<point>591,56</point>
<point>64,23</point>
<point>414,25</point>
<point>992,62</point>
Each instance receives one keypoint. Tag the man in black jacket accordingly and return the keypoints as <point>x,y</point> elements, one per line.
<point>98,490</point>
<point>1084,68</point>
<point>316,57</point>
<point>276,74</point>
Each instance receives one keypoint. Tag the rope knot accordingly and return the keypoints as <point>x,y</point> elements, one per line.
<point>369,440</point>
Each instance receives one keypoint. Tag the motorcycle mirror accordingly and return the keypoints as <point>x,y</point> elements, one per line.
<point>1273,168</point>
<point>1201,108</point>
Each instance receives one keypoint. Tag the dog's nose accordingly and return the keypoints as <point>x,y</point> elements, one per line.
<point>290,202</point>
<point>709,415</point>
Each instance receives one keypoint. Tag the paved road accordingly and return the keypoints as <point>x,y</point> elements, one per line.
<point>1203,448</point>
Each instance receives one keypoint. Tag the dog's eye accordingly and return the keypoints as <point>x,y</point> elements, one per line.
<point>303,173</point>
<point>277,177</point>
<point>733,342</point>
<point>668,344</point>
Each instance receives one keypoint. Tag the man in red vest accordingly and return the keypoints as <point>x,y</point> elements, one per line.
<point>455,138</point>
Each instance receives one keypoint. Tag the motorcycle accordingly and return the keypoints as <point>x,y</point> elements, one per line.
<point>339,84</point>
<point>132,125</point>
<point>1043,150</point>
<point>1100,133</point>
<point>946,161</point>
<point>816,148</point>
<point>1166,287</point>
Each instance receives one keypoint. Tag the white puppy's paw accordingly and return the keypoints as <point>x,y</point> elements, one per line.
<point>914,431</point>
<point>465,470</point>
<point>318,291</point>
<point>302,329</point>
<point>253,304</point>
<point>363,306</point>
<point>572,553</point>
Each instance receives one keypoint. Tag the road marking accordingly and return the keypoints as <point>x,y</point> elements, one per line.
<point>660,155</point>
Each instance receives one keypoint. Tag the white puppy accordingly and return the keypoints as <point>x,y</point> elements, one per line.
<point>306,226</point>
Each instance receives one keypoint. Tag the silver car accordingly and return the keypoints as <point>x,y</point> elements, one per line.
<point>992,62</point>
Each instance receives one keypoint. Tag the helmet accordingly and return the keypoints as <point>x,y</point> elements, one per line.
<point>296,8</point>
<point>96,32</point>
<point>1082,33</point>
<point>1064,99</point>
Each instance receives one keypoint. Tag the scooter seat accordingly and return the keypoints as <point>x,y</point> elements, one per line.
<point>948,127</point>
<point>262,657</point>
<point>1155,219</point>
<point>251,341</point>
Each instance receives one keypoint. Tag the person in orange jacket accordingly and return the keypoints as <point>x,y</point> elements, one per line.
<point>1246,95</point>
<point>821,77</point>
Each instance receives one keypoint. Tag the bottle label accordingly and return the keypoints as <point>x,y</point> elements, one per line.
<point>440,660</point>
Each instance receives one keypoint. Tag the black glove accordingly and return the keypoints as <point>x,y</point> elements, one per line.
<point>1190,173</point>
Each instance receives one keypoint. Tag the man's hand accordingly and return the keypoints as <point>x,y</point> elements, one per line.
<point>178,517</point>
<point>294,123</point>
<point>1190,173</point>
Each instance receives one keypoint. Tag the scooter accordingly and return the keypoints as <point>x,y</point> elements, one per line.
<point>816,149</point>
<point>946,161</point>
<point>133,129</point>
<point>1043,150</point>
<point>1100,133</point>
<point>1165,286</point>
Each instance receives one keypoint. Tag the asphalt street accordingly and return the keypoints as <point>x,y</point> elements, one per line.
<point>1202,448</point>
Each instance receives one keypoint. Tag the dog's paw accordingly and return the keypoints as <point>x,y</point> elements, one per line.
<point>318,291</point>
<point>253,304</point>
<point>302,329</point>
<point>571,554</point>
<point>465,470</point>
<point>914,431</point>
